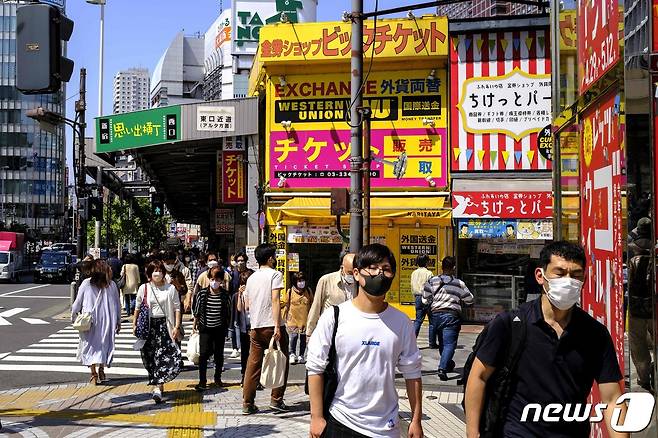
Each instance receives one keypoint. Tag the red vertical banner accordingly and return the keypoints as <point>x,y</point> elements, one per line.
<point>598,40</point>
<point>601,222</point>
<point>233,178</point>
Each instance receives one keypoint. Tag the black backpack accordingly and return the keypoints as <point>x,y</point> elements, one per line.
<point>500,385</point>
<point>641,287</point>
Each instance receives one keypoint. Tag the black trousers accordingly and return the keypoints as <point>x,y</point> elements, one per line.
<point>211,342</point>
<point>245,343</point>
<point>335,429</point>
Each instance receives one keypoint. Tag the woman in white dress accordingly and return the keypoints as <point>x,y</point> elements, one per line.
<point>99,296</point>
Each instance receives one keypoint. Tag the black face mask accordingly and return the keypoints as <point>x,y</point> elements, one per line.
<point>274,262</point>
<point>377,285</point>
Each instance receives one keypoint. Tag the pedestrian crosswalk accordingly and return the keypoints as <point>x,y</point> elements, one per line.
<point>57,353</point>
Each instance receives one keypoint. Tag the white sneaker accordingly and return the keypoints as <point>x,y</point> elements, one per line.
<point>300,359</point>
<point>234,354</point>
<point>293,359</point>
<point>157,395</point>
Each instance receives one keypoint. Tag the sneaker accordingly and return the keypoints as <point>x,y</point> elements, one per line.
<point>300,359</point>
<point>249,410</point>
<point>451,366</point>
<point>442,375</point>
<point>279,407</point>
<point>200,387</point>
<point>234,354</point>
<point>293,359</point>
<point>260,387</point>
<point>157,396</point>
<point>218,382</point>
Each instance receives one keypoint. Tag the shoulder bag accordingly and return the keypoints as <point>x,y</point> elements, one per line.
<point>143,324</point>
<point>84,320</point>
<point>331,371</point>
<point>121,282</point>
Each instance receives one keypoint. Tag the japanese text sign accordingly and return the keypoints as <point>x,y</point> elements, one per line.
<point>313,150</point>
<point>526,229</point>
<point>215,118</point>
<point>138,129</point>
<point>502,205</point>
<point>397,38</point>
<point>598,40</point>
<point>277,238</point>
<point>224,221</point>
<point>601,179</point>
<point>414,242</point>
<point>501,98</point>
<point>233,178</point>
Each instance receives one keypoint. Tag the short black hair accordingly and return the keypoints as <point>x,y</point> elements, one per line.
<point>448,263</point>
<point>510,226</point>
<point>569,251</point>
<point>422,260</point>
<point>170,255</point>
<point>216,273</point>
<point>264,252</point>
<point>373,254</point>
<point>241,254</point>
<point>464,225</point>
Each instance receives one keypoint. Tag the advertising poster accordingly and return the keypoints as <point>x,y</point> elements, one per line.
<point>500,99</point>
<point>309,140</point>
<point>317,235</point>
<point>510,229</point>
<point>601,218</point>
<point>414,242</point>
<point>598,40</point>
<point>234,178</point>
<point>224,221</point>
<point>502,205</point>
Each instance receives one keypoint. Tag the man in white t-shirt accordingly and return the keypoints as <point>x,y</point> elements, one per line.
<point>372,339</point>
<point>262,290</point>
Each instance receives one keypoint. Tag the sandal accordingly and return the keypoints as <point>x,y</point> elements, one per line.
<point>101,377</point>
<point>94,379</point>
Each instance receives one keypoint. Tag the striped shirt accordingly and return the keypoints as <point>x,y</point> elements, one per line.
<point>446,293</point>
<point>211,310</point>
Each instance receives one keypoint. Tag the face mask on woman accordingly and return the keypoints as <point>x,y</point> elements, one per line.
<point>169,267</point>
<point>301,285</point>
<point>157,277</point>
<point>214,284</point>
<point>213,264</point>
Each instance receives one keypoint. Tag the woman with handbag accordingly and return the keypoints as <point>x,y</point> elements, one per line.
<point>128,283</point>
<point>211,310</point>
<point>96,313</point>
<point>161,355</point>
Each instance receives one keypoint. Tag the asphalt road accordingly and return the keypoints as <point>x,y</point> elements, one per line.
<point>37,345</point>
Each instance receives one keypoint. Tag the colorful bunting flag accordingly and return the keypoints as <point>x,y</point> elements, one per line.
<point>505,155</point>
<point>481,155</point>
<point>469,155</point>
<point>456,152</point>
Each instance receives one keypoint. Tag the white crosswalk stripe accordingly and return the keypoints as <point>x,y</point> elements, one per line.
<point>6,317</point>
<point>57,353</point>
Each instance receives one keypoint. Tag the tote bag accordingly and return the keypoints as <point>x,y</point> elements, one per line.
<point>143,323</point>
<point>193,348</point>
<point>274,367</point>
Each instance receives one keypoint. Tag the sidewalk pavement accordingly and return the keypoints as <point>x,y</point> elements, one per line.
<point>124,407</point>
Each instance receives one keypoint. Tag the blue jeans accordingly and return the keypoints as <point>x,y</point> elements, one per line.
<point>302,343</point>
<point>129,303</point>
<point>447,326</point>
<point>421,311</point>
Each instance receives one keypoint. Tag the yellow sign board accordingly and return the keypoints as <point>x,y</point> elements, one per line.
<point>393,39</point>
<point>414,242</point>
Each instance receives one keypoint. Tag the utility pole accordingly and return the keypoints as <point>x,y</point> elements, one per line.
<point>80,108</point>
<point>99,170</point>
<point>356,157</point>
<point>366,112</point>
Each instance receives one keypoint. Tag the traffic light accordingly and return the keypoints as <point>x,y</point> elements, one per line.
<point>96,208</point>
<point>40,66</point>
<point>157,204</point>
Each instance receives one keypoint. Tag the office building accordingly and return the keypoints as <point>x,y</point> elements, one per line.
<point>178,76</point>
<point>485,8</point>
<point>131,90</point>
<point>32,161</point>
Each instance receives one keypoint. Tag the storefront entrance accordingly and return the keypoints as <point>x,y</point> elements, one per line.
<point>315,260</point>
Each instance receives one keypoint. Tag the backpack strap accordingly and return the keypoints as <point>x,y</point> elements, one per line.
<point>332,348</point>
<point>518,330</point>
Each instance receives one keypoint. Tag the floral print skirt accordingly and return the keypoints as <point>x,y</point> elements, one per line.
<point>160,355</point>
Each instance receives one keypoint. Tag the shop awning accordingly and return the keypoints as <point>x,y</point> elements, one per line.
<point>427,209</point>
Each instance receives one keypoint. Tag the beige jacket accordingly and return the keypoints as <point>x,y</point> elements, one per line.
<point>131,271</point>
<point>330,291</point>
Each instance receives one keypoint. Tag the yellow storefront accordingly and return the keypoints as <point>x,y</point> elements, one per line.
<point>301,74</point>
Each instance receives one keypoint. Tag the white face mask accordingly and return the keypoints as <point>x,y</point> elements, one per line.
<point>213,263</point>
<point>169,268</point>
<point>156,277</point>
<point>301,285</point>
<point>563,292</point>
<point>214,284</point>
<point>349,279</point>
<point>187,259</point>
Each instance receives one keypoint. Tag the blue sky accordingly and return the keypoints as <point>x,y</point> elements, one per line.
<point>138,31</point>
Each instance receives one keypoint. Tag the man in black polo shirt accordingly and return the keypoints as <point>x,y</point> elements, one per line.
<point>564,352</point>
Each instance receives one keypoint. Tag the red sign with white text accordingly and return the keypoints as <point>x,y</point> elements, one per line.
<point>601,179</point>
<point>502,205</point>
<point>598,40</point>
<point>233,178</point>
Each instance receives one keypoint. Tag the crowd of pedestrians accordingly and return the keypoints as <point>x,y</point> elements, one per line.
<point>352,341</point>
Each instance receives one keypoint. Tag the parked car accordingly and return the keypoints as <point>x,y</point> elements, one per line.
<point>54,266</point>
<point>12,250</point>
<point>68,247</point>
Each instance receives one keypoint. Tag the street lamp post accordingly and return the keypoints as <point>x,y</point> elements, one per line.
<point>101,50</point>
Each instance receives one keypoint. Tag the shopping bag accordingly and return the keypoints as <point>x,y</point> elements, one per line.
<point>193,348</point>
<point>273,371</point>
